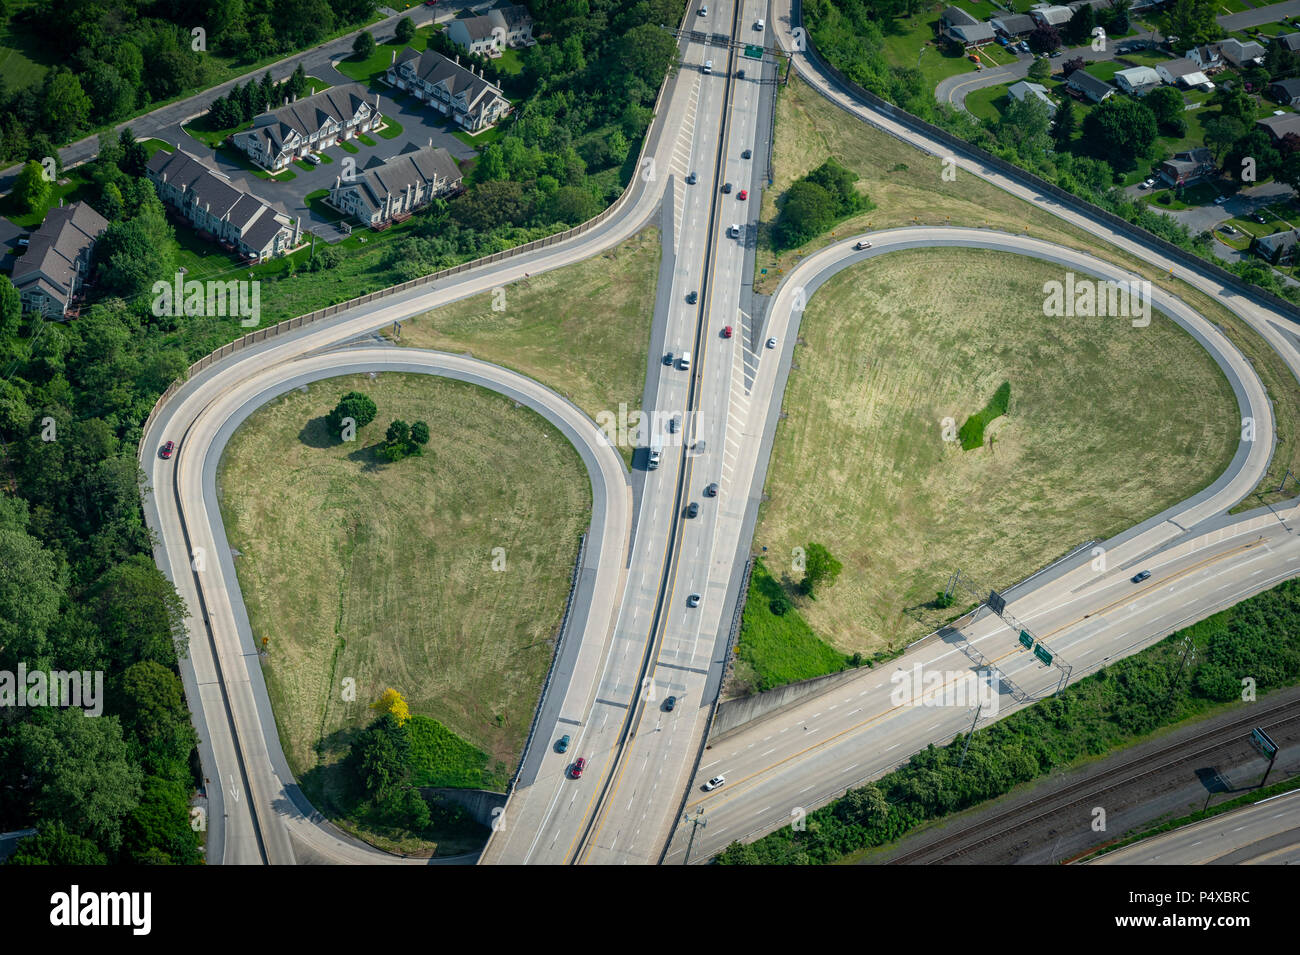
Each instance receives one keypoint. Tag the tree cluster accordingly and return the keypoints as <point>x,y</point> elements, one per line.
<point>816,202</point>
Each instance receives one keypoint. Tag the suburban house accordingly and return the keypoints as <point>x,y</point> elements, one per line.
<point>1138,80</point>
<point>1290,42</point>
<point>220,210</point>
<point>1207,57</point>
<point>58,259</point>
<point>1279,126</point>
<point>1241,54</point>
<point>309,125</point>
<point>1173,72</point>
<point>1077,5</point>
<point>959,26</point>
<point>1286,92</point>
<point>1050,15</point>
<point>1278,248</point>
<point>1033,90</point>
<point>388,191</point>
<point>1089,86</point>
<point>1013,24</point>
<point>494,31</point>
<point>1187,167</point>
<point>455,90</point>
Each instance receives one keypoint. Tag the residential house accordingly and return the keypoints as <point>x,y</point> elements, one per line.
<point>457,91</point>
<point>1286,92</point>
<point>1173,72</point>
<point>1138,80</point>
<point>388,191</point>
<point>1050,15</point>
<point>1089,86</point>
<point>1187,167</point>
<point>1033,90</point>
<point>309,125</point>
<point>1207,56</point>
<point>220,209</point>
<point>517,23</point>
<point>1013,24</point>
<point>959,26</point>
<point>1280,126</point>
<point>1278,248</point>
<point>477,35</point>
<point>1240,54</point>
<point>1095,4</point>
<point>1290,42</point>
<point>58,259</point>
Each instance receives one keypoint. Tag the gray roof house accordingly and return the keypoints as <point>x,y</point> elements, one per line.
<point>58,259</point>
<point>1173,71</point>
<point>454,90</point>
<point>390,190</point>
<point>1205,56</point>
<point>309,125</point>
<point>958,25</point>
<point>1279,126</point>
<point>1278,248</point>
<point>1289,42</point>
<point>1094,89</point>
<point>1050,14</point>
<point>1286,92</point>
<point>1138,80</point>
<point>1013,24</point>
<point>494,31</point>
<point>1032,90</point>
<point>219,208</point>
<point>1241,54</point>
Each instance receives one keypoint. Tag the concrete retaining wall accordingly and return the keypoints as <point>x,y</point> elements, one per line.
<point>733,714</point>
<point>478,802</point>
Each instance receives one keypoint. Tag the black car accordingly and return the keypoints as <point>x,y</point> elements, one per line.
<point>740,74</point>
<point>1141,576</point>
<point>711,490</point>
<point>692,298</point>
<point>669,703</point>
<point>747,154</point>
<point>690,180</point>
<point>692,509</point>
<point>668,358</point>
<point>726,187</point>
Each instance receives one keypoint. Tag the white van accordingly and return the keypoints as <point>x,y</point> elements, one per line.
<point>708,66</point>
<point>685,362</point>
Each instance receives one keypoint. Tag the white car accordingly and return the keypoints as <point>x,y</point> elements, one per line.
<point>1220,200</point>
<point>771,343</point>
<point>862,244</point>
<point>714,783</point>
<point>1148,183</point>
<point>733,231</point>
<point>313,159</point>
<point>693,600</point>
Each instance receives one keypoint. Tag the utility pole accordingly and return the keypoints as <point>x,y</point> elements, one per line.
<point>978,710</point>
<point>697,822</point>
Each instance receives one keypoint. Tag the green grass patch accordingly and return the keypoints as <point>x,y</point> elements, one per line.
<point>972,432</point>
<point>365,139</point>
<point>479,140</point>
<point>441,758</point>
<point>776,649</point>
<point>72,186</point>
<point>348,146</point>
<point>392,128</point>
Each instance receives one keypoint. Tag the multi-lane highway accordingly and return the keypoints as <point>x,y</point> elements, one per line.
<point>636,638</point>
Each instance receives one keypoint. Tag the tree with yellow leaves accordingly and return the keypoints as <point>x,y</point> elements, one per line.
<point>394,704</point>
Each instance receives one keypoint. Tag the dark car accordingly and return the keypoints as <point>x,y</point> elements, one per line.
<point>693,509</point>
<point>747,154</point>
<point>691,180</point>
<point>1141,576</point>
<point>740,74</point>
<point>166,450</point>
<point>578,767</point>
<point>726,187</point>
<point>669,703</point>
<point>692,297</point>
<point>668,358</point>
<point>711,490</point>
<point>562,743</point>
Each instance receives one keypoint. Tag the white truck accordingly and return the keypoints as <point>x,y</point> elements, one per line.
<point>656,449</point>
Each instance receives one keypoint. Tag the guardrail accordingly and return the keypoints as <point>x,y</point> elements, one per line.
<point>262,334</point>
<point>970,151</point>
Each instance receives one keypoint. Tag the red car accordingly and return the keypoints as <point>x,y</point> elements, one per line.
<point>726,332</point>
<point>167,449</point>
<point>578,767</point>
<point>744,194</point>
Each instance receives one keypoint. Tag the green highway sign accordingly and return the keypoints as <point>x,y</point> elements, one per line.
<point>1026,640</point>
<point>753,52</point>
<point>1264,743</point>
<point>1043,655</point>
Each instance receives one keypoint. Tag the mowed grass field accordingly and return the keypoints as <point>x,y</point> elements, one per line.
<point>382,574</point>
<point>907,185</point>
<point>1107,425</point>
<point>583,330</point>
